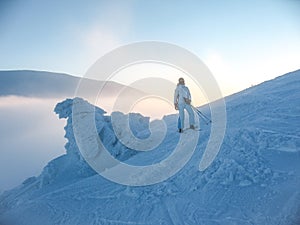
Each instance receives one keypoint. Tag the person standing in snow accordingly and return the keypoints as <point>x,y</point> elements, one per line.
<point>182,100</point>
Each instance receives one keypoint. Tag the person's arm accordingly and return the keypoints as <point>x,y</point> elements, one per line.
<point>189,94</point>
<point>176,98</point>
<point>187,99</point>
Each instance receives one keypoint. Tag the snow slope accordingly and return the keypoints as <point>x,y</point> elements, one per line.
<point>253,180</point>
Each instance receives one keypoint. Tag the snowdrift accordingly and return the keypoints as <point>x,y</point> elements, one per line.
<point>253,180</point>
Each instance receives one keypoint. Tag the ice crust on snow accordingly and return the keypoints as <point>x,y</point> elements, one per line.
<point>253,180</point>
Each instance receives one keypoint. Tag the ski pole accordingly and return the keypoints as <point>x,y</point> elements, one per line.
<point>203,115</point>
<point>205,118</point>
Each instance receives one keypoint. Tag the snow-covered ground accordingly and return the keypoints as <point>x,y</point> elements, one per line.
<point>253,180</point>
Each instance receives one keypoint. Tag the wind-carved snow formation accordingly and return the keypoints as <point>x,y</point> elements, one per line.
<point>253,180</point>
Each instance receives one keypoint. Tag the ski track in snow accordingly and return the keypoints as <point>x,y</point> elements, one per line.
<point>254,179</point>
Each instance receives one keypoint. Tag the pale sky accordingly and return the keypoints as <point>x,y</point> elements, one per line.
<point>242,42</point>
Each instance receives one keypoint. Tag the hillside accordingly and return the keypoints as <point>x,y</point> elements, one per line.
<point>44,84</point>
<point>253,180</point>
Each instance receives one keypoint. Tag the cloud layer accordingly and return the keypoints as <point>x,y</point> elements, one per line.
<point>31,135</point>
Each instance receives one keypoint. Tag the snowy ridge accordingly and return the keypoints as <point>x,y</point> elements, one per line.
<point>42,84</point>
<point>253,180</point>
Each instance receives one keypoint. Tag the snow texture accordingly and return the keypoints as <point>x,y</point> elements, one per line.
<point>253,180</point>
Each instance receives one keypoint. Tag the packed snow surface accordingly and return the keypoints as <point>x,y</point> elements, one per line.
<point>253,180</point>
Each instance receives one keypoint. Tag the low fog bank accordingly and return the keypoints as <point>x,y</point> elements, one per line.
<point>31,135</point>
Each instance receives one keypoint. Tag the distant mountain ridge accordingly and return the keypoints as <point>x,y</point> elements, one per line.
<point>29,83</point>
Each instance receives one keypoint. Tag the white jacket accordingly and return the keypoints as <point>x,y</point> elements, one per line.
<point>181,92</point>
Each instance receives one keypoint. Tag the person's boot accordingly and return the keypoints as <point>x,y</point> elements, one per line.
<point>180,130</point>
